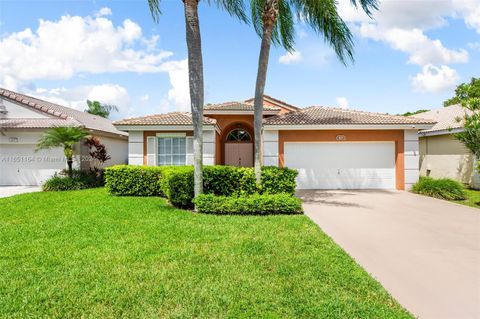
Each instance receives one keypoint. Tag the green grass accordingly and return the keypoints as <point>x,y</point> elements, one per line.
<point>473,198</point>
<point>87,254</point>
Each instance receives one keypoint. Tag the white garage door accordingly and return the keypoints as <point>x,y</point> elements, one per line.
<point>342,165</point>
<point>21,165</point>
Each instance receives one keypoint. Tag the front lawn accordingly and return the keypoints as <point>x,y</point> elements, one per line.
<point>88,254</point>
<point>473,198</point>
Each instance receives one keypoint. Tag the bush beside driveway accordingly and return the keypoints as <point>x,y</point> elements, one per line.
<point>85,253</point>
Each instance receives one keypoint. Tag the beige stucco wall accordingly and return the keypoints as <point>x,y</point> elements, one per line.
<point>444,156</point>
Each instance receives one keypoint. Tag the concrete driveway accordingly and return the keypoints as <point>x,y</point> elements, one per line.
<point>6,191</point>
<point>424,251</point>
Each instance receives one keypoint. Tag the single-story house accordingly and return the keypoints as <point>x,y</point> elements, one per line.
<point>331,148</point>
<point>441,154</point>
<point>23,119</point>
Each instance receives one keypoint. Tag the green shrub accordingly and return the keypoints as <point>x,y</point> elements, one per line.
<point>131,180</point>
<point>177,185</point>
<point>278,180</point>
<point>440,188</point>
<point>228,180</point>
<point>255,204</point>
<point>176,182</point>
<point>77,180</point>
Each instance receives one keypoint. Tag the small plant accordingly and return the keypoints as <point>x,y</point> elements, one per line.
<point>74,180</point>
<point>440,188</point>
<point>97,150</point>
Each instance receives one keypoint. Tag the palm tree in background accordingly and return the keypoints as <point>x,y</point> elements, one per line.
<point>100,109</point>
<point>65,137</point>
<point>195,70</point>
<point>274,21</point>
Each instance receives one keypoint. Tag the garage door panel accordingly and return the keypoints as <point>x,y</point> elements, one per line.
<point>342,165</point>
<point>21,165</point>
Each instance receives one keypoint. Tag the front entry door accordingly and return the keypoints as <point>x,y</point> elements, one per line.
<point>239,154</point>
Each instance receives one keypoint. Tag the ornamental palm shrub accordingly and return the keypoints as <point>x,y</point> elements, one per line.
<point>444,188</point>
<point>65,137</point>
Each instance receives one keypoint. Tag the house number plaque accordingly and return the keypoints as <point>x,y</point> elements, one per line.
<point>341,138</point>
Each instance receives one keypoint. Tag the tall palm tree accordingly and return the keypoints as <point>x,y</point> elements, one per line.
<point>195,70</point>
<point>274,21</point>
<point>65,137</point>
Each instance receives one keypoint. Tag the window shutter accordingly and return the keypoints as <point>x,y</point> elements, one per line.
<point>151,151</point>
<point>189,159</point>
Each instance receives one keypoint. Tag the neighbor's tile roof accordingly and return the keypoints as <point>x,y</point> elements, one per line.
<point>174,118</point>
<point>275,101</point>
<point>317,115</point>
<point>446,117</point>
<point>237,106</point>
<point>61,115</point>
<point>37,123</point>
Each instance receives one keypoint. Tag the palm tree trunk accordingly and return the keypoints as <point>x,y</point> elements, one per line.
<point>195,76</point>
<point>69,164</point>
<point>259,91</point>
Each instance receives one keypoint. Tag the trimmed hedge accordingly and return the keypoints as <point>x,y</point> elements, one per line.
<point>278,180</point>
<point>129,180</point>
<point>440,188</point>
<point>256,204</point>
<point>78,180</point>
<point>176,182</point>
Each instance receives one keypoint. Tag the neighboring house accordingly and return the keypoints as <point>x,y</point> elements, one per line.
<point>331,148</point>
<point>23,119</point>
<point>441,154</point>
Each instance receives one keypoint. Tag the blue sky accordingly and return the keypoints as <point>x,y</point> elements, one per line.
<point>411,56</point>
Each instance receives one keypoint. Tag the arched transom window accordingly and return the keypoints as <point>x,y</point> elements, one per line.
<point>238,135</point>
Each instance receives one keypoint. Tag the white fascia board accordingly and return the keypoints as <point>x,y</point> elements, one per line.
<point>349,127</point>
<point>441,132</point>
<point>162,127</point>
<point>224,112</point>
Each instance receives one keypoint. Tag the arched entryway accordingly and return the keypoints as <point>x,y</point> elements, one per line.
<point>238,146</point>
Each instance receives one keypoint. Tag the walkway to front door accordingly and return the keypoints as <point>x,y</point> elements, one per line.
<point>239,148</point>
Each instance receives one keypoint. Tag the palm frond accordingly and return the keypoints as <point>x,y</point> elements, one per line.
<point>367,5</point>
<point>61,137</point>
<point>154,6</point>
<point>235,8</point>
<point>323,18</point>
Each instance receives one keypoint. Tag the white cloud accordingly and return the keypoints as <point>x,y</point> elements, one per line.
<point>179,94</point>
<point>435,79</point>
<point>145,98</point>
<point>421,49</point>
<point>342,102</point>
<point>76,97</point>
<point>104,12</point>
<point>474,45</point>
<point>290,57</point>
<point>74,45</point>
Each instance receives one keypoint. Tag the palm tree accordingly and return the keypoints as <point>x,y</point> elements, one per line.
<point>273,20</point>
<point>100,109</point>
<point>195,70</point>
<point>64,137</point>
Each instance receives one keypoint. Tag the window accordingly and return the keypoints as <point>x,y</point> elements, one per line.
<point>238,135</point>
<point>172,150</point>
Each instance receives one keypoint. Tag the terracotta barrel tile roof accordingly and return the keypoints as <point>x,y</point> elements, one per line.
<point>174,118</point>
<point>69,115</point>
<point>450,117</point>
<point>237,106</point>
<point>317,115</point>
<point>37,123</point>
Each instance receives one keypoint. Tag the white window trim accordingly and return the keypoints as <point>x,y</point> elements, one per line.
<point>172,134</point>
<point>167,135</point>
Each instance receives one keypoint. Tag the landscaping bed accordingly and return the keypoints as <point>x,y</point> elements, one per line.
<point>88,254</point>
<point>222,184</point>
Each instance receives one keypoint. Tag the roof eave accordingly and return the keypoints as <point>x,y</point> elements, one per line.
<point>238,112</point>
<point>144,127</point>
<point>350,127</point>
